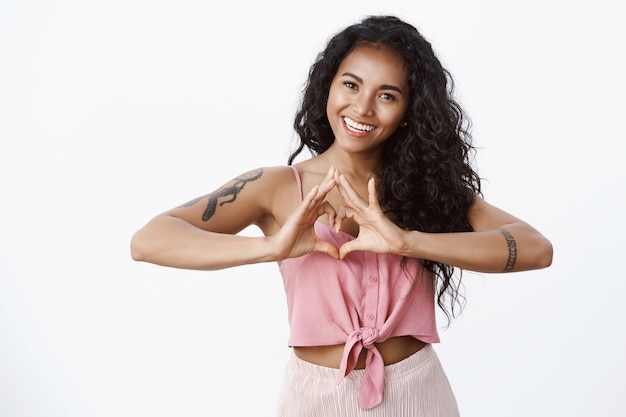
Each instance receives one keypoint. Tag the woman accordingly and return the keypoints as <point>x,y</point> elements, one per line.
<point>368,232</point>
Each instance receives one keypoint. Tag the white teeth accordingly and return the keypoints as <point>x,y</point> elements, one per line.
<point>357,126</point>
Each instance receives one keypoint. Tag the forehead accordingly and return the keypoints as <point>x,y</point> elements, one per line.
<point>375,63</point>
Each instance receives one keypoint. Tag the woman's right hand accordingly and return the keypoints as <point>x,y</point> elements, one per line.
<point>297,235</point>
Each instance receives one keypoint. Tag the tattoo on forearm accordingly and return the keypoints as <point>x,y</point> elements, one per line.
<point>231,191</point>
<point>510,242</point>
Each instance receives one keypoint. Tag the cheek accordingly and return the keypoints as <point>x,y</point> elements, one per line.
<point>392,117</point>
<point>333,105</point>
<point>328,110</point>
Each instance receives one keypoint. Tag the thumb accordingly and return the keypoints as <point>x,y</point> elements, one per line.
<point>327,248</point>
<point>347,248</point>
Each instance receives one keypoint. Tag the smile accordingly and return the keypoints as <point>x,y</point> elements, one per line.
<point>357,127</point>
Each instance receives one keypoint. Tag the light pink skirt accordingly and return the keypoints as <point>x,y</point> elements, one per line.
<point>414,387</point>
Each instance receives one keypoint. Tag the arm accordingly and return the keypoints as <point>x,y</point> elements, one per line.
<point>169,240</point>
<point>202,234</point>
<point>499,241</point>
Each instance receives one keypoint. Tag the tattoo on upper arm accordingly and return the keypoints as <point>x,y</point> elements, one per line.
<point>231,191</point>
<point>510,242</point>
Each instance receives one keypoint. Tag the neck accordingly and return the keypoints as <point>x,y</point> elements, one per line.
<point>357,165</point>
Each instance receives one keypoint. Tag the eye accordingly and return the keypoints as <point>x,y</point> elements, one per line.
<point>388,96</point>
<point>350,85</point>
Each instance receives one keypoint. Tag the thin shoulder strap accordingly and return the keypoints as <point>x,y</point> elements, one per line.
<point>298,180</point>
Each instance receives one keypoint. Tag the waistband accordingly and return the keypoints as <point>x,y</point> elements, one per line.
<point>395,370</point>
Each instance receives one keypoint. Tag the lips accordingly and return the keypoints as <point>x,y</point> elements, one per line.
<point>356,127</point>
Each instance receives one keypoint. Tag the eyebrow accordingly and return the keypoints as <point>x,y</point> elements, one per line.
<point>383,87</point>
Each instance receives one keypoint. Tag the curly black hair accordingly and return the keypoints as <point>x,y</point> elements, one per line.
<point>428,183</point>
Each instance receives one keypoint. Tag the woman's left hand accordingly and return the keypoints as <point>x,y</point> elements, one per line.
<point>377,233</point>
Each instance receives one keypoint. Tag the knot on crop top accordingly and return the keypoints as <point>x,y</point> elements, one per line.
<point>358,301</point>
<point>372,385</point>
<point>367,336</point>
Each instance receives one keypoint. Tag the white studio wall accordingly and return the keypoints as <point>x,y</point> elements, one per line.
<point>113,111</point>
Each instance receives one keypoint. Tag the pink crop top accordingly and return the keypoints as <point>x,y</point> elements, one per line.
<point>363,299</point>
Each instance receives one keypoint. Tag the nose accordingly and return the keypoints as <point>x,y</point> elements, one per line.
<point>363,105</point>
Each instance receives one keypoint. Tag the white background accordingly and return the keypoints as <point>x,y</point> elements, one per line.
<point>113,111</point>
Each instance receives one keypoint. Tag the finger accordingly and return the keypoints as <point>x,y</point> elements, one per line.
<point>310,197</point>
<point>338,223</point>
<point>340,187</point>
<point>331,173</point>
<point>317,194</point>
<point>325,188</point>
<point>329,210</point>
<point>327,184</point>
<point>372,192</point>
<point>348,193</point>
<point>329,180</point>
<point>347,248</point>
<point>346,212</point>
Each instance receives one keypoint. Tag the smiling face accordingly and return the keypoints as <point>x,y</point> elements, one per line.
<point>368,98</point>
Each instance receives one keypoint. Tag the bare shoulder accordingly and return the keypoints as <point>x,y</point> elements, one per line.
<point>280,195</point>
<point>312,172</point>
